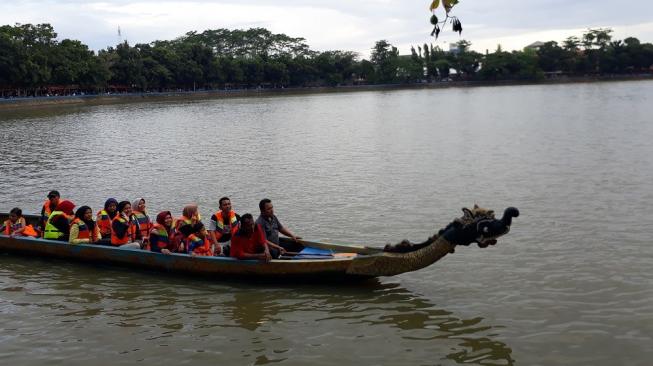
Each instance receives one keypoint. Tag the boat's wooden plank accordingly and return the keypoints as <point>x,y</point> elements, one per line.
<point>207,266</point>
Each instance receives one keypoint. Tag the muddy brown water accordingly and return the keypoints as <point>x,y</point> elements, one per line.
<point>571,284</point>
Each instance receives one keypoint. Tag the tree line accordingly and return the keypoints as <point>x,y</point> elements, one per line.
<point>34,62</point>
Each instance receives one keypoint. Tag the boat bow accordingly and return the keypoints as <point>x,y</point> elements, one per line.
<point>477,225</point>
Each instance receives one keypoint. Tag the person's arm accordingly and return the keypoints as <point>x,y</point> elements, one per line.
<point>44,219</point>
<point>277,247</point>
<point>23,225</point>
<point>286,232</point>
<point>138,233</point>
<point>62,224</point>
<point>74,234</point>
<point>154,243</point>
<point>214,235</point>
<point>262,240</point>
<point>146,238</point>
<point>119,228</point>
<point>238,252</point>
<point>98,234</point>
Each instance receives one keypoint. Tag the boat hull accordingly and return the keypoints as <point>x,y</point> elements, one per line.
<point>348,262</point>
<point>215,267</point>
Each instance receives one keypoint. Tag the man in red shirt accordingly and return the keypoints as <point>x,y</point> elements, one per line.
<point>249,241</point>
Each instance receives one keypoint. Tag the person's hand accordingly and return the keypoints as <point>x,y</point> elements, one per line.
<point>295,238</point>
<point>165,251</point>
<point>192,254</point>
<point>266,257</point>
<point>282,251</point>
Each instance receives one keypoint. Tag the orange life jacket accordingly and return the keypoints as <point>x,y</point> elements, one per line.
<point>198,245</point>
<point>103,221</point>
<point>9,227</point>
<point>30,231</point>
<point>177,237</point>
<point>144,224</point>
<point>129,236</point>
<point>84,230</point>
<point>47,210</point>
<point>163,239</point>
<point>229,228</point>
<point>183,220</point>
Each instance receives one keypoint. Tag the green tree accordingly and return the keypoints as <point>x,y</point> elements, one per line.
<point>465,61</point>
<point>385,59</point>
<point>551,56</point>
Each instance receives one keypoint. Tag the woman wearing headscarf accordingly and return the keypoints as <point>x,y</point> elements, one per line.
<point>161,234</point>
<point>83,229</point>
<point>123,228</point>
<point>104,219</point>
<point>143,222</point>
<point>189,217</point>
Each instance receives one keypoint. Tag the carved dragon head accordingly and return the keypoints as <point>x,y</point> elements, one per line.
<point>479,225</point>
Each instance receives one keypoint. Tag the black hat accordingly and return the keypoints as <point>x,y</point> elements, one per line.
<point>53,194</point>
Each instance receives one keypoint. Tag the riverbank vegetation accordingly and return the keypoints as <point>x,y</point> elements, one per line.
<point>35,63</point>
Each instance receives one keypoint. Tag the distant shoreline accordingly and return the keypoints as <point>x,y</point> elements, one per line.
<point>89,100</point>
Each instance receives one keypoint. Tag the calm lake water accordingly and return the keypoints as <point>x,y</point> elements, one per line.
<point>572,284</point>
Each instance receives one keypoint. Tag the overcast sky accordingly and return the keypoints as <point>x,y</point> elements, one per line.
<point>335,24</point>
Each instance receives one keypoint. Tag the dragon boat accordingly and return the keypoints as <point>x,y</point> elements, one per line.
<point>317,261</point>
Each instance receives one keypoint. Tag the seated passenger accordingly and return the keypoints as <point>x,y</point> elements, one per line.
<point>123,228</point>
<point>58,225</point>
<point>196,239</point>
<point>249,241</point>
<point>104,219</point>
<point>48,206</point>
<point>223,225</point>
<point>16,225</point>
<point>83,230</point>
<point>190,216</point>
<point>143,222</point>
<point>272,227</point>
<point>161,233</point>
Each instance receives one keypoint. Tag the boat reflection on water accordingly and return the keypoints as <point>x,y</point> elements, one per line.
<point>155,318</point>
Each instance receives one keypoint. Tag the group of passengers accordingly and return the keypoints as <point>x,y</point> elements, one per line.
<point>127,225</point>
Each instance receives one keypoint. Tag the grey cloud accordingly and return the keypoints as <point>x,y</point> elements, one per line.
<point>398,21</point>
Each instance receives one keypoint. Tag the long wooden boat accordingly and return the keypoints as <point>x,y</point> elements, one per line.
<point>342,261</point>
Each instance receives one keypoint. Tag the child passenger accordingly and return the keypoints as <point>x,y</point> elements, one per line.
<point>16,225</point>
<point>197,241</point>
